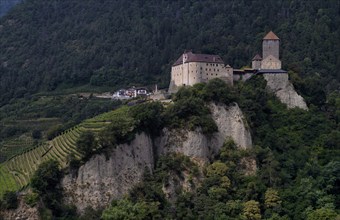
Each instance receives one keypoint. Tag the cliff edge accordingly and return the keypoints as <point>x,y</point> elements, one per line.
<point>284,90</point>
<point>107,177</point>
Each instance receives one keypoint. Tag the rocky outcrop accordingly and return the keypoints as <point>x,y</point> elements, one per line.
<point>101,179</point>
<point>23,212</point>
<point>231,124</point>
<point>104,178</point>
<point>284,90</point>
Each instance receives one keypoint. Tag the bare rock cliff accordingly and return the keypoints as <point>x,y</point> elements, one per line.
<point>23,212</point>
<point>101,179</point>
<point>284,90</point>
<point>230,123</point>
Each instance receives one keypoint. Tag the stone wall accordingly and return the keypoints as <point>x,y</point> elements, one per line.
<point>196,72</point>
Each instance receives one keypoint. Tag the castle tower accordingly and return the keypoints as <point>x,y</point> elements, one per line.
<point>256,62</point>
<point>270,46</point>
<point>270,50</point>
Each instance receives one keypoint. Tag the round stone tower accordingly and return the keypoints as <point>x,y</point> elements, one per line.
<point>270,46</point>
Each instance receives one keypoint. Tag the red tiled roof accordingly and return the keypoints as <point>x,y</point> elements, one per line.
<point>271,36</point>
<point>207,58</point>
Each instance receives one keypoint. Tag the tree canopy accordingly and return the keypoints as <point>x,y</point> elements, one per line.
<point>49,45</point>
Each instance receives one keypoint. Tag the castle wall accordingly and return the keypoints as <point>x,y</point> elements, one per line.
<point>256,64</point>
<point>270,47</point>
<point>271,62</point>
<point>196,72</point>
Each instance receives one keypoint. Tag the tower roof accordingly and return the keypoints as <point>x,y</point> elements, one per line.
<point>271,36</point>
<point>257,57</point>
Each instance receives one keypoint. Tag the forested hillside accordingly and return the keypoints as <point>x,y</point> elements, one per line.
<point>6,5</point>
<point>49,45</point>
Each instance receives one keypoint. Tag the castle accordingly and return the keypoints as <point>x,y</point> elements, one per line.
<point>191,68</point>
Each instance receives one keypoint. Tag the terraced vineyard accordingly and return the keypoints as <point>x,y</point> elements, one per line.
<point>14,146</point>
<point>16,172</point>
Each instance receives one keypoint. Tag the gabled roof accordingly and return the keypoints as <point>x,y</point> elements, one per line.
<point>271,58</point>
<point>257,57</point>
<point>207,58</point>
<point>271,36</point>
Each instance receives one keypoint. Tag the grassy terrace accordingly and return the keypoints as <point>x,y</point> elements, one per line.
<point>15,173</point>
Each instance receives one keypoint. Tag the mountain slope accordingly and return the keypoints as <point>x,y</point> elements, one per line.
<point>48,44</point>
<point>6,5</point>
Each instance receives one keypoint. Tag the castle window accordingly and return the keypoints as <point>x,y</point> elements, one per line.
<point>201,68</point>
<point>218,70</point>
<point>214,69</point>
<point>206,69</point>
<point>216,74</point>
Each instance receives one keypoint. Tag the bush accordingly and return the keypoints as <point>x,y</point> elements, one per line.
<point>46,177</point>
<point>31,199</point>
<point>190,113</point>
<point>218,91</point>
<point>86,143</point>
<point>36,134</point>
<point>148,117</point>
<point>54,131</point>
<point>10,200</point>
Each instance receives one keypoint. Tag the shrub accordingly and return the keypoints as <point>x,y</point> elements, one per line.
<point>148,117</point>
<point>219,91</point>
<point>36,134</point>
<point>46,177</point>
<point>10,200</point>
<point>86,143</point>
<point>31,199</point>
<point>54,131</point>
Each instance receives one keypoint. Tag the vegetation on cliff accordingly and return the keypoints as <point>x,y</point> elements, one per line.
<point>297,154</point>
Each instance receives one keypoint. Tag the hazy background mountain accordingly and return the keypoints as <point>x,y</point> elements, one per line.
<point>49,45</point>
<point>6,5</point>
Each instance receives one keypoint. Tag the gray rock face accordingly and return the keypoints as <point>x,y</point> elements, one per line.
<point>23,212</point>
<point>230,123</point>
<point>100,180</point>
<point>190,143</point>
<point>284,90</point>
